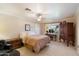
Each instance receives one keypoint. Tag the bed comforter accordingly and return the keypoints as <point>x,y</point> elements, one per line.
<point>37,42</point>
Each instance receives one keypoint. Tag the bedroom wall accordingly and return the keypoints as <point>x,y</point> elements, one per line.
<point>10,26</point>
<point>77,30</point>
<point>70,19</point>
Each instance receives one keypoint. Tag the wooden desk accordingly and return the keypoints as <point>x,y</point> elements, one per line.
<point>52,36</point>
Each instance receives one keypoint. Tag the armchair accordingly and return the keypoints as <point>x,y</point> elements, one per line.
<point>7,50</point>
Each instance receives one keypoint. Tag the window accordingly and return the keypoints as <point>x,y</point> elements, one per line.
<point>52,27</point>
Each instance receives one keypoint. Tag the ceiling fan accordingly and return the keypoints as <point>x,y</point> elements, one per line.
<point>39,16</point>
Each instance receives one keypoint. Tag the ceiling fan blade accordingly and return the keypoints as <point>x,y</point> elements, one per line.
<point>30,13</point>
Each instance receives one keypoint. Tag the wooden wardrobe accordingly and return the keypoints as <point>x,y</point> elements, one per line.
<point>67,32</point>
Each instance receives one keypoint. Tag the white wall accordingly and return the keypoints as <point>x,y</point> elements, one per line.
<point>77,30</point>
<point>11,26</point>
<point>70,19</point>
<point>34,27</point>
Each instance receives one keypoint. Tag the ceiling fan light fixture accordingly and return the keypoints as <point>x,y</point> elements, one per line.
<point>27,9</point>
<point>29,13</point>
<point>39,18</point>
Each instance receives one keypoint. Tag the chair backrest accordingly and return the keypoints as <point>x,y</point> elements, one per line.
<point>2,44</point>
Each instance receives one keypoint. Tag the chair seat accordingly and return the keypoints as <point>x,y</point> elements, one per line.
<point>4,51</point>
<point>10,53</point>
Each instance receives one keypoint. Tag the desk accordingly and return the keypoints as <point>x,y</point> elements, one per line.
<point>52,36</point>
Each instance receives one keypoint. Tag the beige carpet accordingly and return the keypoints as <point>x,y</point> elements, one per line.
<point>52,49</point>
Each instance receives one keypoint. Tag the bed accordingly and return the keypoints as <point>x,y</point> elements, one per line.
<point>36,42</point>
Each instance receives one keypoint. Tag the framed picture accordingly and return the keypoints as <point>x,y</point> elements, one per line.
<point>27,27</point>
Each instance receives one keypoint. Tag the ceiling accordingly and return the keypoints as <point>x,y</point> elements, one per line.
<point>51,11</point>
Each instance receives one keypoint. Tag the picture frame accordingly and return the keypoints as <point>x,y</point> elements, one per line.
<point>27,27</point>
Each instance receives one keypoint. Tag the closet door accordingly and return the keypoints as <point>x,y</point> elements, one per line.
<point>70,33</point>
<point>67,33</point>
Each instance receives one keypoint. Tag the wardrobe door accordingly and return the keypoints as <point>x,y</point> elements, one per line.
<point>67,32</point>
